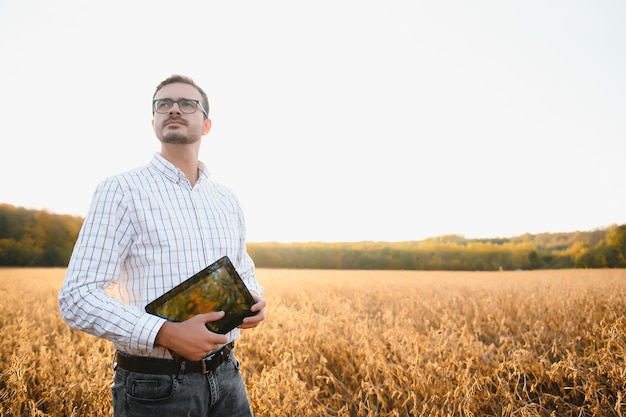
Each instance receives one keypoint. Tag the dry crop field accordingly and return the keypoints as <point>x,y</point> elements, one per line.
<point>363,343</point>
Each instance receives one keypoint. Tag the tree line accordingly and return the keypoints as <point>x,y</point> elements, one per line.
<point>596,249</point>
<point>40,238</point>
<point>36,237</point>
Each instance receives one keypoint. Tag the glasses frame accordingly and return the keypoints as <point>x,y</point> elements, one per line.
<point>177,102</point>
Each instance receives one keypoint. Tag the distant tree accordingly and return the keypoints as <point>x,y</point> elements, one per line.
<point>54,256</point>
<point>581,255</point>
<point>616,240</point>
<point>533,260</point>
<point>36,237</point>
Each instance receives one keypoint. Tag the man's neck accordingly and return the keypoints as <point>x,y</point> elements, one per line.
<point>184,157</point>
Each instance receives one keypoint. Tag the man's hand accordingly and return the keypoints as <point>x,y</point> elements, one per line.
<point>190,338</point>
<point>259,306</point>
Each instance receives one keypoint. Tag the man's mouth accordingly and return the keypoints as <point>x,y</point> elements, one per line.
<point>174,120</point>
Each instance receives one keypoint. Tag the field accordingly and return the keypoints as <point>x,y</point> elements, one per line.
<point>363,343</point>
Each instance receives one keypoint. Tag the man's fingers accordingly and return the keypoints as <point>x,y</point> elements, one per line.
<point>212,316</point>
<point>258,306</point>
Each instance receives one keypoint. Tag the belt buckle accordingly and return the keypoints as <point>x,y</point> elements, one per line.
<point>208,364</point>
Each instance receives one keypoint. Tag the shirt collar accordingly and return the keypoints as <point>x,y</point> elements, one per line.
<point>171,171</point>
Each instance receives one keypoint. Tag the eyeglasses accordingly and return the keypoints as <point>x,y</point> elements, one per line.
<point>186,105</point>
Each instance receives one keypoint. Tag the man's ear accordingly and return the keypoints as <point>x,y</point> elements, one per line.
<point>207,126</point>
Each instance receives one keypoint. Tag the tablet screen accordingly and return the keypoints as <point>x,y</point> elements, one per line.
<point>218,287</point>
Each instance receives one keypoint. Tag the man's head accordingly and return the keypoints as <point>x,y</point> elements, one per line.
<point>182,79</point>
<point>180,111</point>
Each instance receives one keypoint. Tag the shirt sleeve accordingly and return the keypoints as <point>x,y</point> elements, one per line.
<point>245,264</point>
<point>85,301</point>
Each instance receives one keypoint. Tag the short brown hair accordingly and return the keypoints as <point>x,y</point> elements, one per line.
<point>183,79</point>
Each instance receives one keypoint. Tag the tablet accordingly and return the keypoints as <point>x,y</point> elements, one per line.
<point>218,287</point>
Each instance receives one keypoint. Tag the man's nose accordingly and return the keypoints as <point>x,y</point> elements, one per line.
<point>175,109</point>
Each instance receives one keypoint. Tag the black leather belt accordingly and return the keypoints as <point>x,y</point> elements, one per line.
<point>158,366</point>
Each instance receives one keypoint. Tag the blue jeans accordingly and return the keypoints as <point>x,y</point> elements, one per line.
<point>220,393</point>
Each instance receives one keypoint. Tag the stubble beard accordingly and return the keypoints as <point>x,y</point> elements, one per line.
<point>177,136</point>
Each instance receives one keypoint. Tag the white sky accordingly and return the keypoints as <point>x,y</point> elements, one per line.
<point>332,120</point>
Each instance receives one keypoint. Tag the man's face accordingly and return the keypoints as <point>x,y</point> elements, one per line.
<point>175,126</point>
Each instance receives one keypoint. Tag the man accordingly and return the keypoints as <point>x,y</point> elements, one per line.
<point>147,230</point>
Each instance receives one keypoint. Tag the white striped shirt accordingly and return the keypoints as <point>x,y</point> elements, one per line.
<point>147,230</point>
